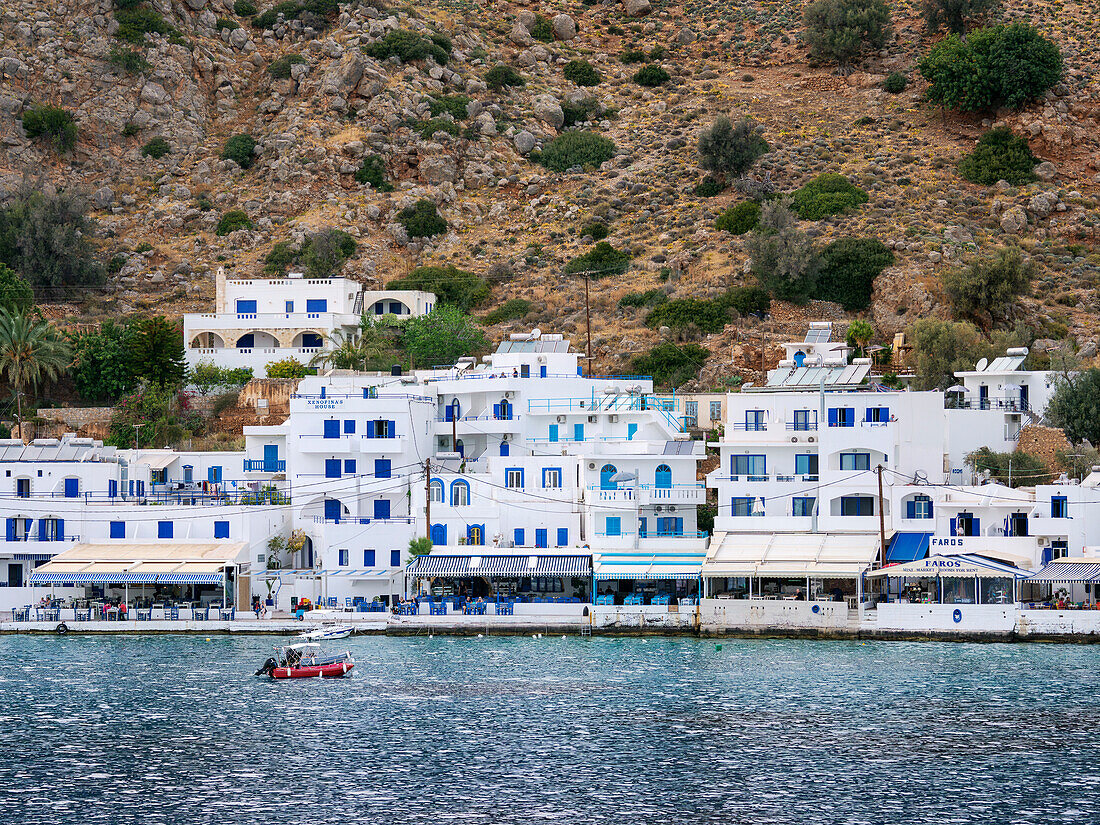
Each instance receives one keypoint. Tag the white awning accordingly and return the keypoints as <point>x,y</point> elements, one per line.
<point>792,555</point>
<point>155,459</point>
<point>959,566</point>
<point>163,562</point>
<point>641,566</point>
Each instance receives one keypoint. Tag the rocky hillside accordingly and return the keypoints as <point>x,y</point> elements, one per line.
<point>445,136</point>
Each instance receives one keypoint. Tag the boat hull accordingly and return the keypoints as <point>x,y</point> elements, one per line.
<point>329,671</point>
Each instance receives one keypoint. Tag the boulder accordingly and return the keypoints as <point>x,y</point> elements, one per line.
<point>438,169</point>
<point>637,8</point>
<point>154,93</point>
<point>958,234</point>
<point>103,197</point>
<point>520,36</point>
<point>1045,171</point>
<point>1014,220</point>
<point>685,36</point>
<point>1088,350</point>
<point>524,142</point>
<point>564,27</point>
<point>548,110</point>
<point>1043,204</point>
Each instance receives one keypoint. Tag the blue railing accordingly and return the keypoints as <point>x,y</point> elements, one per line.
<point>263,465</point>
<point>34,538</point>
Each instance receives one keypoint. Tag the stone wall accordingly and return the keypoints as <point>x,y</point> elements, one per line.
<point>277,392</point>
<point>77,417</point>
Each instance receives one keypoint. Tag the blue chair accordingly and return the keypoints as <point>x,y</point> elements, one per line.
<point>505,609</point>
<point>172,612</point>
<point>332,601</point>
<point>437,609</point>
<point>348,603</point>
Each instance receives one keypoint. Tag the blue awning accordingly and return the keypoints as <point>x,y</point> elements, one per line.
<point>34,556</point>
<point>907,547</point>
<point>92,577</point>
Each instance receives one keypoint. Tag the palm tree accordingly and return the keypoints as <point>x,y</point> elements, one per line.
<point>31,351</point>
<point>352,350</point>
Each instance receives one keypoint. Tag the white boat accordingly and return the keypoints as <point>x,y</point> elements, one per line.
<point>320,634</point>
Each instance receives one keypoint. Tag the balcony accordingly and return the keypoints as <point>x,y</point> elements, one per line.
<point>676,494</point>
<point>263,465</point>
<point>623,496</point>
<point>801,426</point>
<point>750,426</point>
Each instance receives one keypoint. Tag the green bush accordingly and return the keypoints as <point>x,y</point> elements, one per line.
<point>748,300</point>
<point>454,105</point>
<point>233,220</point>
<point>849,267</point>
<point>129,129</point>
<point>240,150</point>
<point>501,76</point>
<point>16,295</point>
<point>633,56</point>
<point>997,66</point>
<point>595,230</point>
<point>999,155</point>
<point>651,76</point>
<point>323,253</point>
<point>156,148</point>
<point>671,365</point>
<point>954,13</point>
<point>289,10</point>
<point>708,187</point>
<point>407,45</point>
<point>53,123</point>
<point>840,30</point>
<point>988,285</point>
<point>128,60</point>
<point>649,298</point>
<point>581,72</point>
<point>373,171</point>
<point>895,83</point>
<point>287,368</point>
<point>739,218</point>
<point>244,8</point>
<point>783,258</point>
<point>280,68</point>
<point>427,128</point>
<point>135,23</point>
<point>827,194</point>
<point>705,315</point>
<point>422,220</point>
<point>730,149</point>
<point>579,112</point>
<point>542,30</point>
<point>451,285</point>
<point>602,259</point>
<point>47,238</point>
<point>1075,406</point>
<point>1014,469</point>
<point>510,310</point>
<point>281,256</point>
<point>575,148</point>
<point>226,24</point>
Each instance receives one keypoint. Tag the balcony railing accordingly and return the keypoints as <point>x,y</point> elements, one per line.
<point>350,520</point>
<point>264,465</point>
<point>750,426</point>
<point>33,537</point>
<point>802,426</point>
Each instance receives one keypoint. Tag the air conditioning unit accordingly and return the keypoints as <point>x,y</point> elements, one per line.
<point>613,418</point>
<point>592,419</point>
<point>591,465</point>
<point>1043,542</point>
<point>794,439</point>
<point>509,394</point>
<point>672,508</point>
<point>812,439</point>
<point>658,508</point>
<point>561,419</point>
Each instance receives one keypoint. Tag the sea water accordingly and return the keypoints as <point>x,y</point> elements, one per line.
<point>176,729</point>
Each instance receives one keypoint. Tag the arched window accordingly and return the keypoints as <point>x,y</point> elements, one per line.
<point>475,534</point>
<point>799,358</point>
<point>246,341</point>
<point>453,411</point>
<point>435,490</point>
<point>662,478</point>
<point>460,448</point>
<point>460,494</point>
<point>439,535</point>
<point>504,411</point>
<point>606,472</point>
<point>311,340</point>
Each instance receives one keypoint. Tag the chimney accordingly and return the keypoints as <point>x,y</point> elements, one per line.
<point>219,290</point>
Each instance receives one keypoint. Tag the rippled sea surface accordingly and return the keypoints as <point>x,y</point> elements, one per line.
<point>164,729</point>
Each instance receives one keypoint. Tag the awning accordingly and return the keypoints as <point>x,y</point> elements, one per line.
<point>163,562</point>
<point>504,566</point>
<point>648,566</point>
<point>791,555</point>
<point>1069,571</point>
<point>356,574</point>
<point>964,565</point>
<point>155,459</point>
<point>907,547</point>
<point>34,556</point>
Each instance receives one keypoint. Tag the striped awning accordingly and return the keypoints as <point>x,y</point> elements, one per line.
<point>648,566</point>
<point>356,574</point>
<point>93,577</point>
<point>500,565</point>
<point>34,556</point>
<point>1068,571</point>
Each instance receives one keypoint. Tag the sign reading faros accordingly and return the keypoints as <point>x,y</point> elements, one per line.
<point>946,541</point>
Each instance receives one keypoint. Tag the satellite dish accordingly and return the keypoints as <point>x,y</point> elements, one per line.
<point>981,365</point>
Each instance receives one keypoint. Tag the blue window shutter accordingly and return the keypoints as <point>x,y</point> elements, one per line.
<point>496,411</point>
<point>954,526</point>
<point>910,509</point>
<point>42,529</point>
<point>381,468</point>
<point>885,413</point>
<point>504,448</point>
<point>382,508</point>
<point>395,558</point>
<point>333,509</point>
<point>11,529</point>
<point>868,415</point>
<point>164,529</point>
<point>1048,555</point>
<point>553,433</point>
<point>316,305</point>
<point>60,535</point>
<point>370,429</point>
<point>517,539</point>
<point>332,468</point>
<point>578,432</point>
<point>976,527</point>
<point>214,475</point>
<point>631,429</point>
<point>332,428</point>
<point>118,529</point>
<point>833,416</point>
<point>540,537</point>
<point>349,466</point>
<point>112,488</point>
<point>349,426</point>
<point>368,558</point>
<point>246,307</point>
<point>221,529</point>
<point>563,536</point>
<point>392,431</point>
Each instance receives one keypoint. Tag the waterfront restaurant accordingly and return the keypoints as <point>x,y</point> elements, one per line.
<point>1070,582</point>
<point>165,572</point>
<point>955,579</point>
<point>533,575</point>
<point>779,565</point>
<point>636,577</point>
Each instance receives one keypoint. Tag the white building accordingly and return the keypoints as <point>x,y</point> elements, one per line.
<point>257,321</point>
<point>1018,395</point>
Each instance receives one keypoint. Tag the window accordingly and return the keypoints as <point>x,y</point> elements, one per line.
<point>855,461</point>
<point>155,476</point>
<point>435,490</point>
<point>551,478</point>
<point>805,465</point>
<point>755,421</point>
<point>381,429</point>
<point>221,529</point>
<point>334,509</point>
<point>343,558</point>
<point>524,370</point>
<point>563,537</point>
<point>802,506</point>
<point>312,340</point>
<point>513,478</point>
<point>382,468</point>
<point>333,467</point>
<point>349,466</point>
<point>213,475</point>
<point>316,305</point>
<point>607,472</point>
<point>842,417</point>
<point>332,428</point>
<point>475,534</point>
<point>662,477</point>
<point>118,529</point>
<point>578,432</point>
<point>670,526</point>
<point>23,487</point>
<point>964,524</point>
<point>1059,549</point>
<point>396,307</point>
<point>857,506</point>
<point>613,526</point>
<point>72,488</point>
<point>51,529</point>
<point>715,411</point>
<point>18,529</point>
<point>502,411</point>
<point>164,530</point>
<point>188,473</point>
<point>460,494</point>
<point>439,535</point>
<point>395,558</point>
<point>878,415</point>
<point>553,434</point>
<point>742,506</point>
<point>804,421</point>
<point>753,466</point>
<point>540,537</point>
<point>112,488</point>
<point>246,307</point>
<point>368,558</point>
<point>349,426</point>
<point>382,508</point>
<point>919,506</point>
<point>1059,507</point>
<point>289,306</point>
<point>518,537</point>
<point>691,413</point>
<point>1017,524</point>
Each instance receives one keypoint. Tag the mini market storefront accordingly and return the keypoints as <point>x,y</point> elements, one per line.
<point>955,579</point>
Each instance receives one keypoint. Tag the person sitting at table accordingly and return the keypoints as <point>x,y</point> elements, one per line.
<point>121,609</point>
<point>838,594</point>
<point>799,596</point>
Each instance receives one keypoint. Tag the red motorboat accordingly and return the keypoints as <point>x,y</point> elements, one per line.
<point>304,661</point>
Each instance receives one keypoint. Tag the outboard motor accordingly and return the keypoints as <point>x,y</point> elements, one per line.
<point>268,666</point>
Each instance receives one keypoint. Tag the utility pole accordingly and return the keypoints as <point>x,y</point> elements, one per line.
<point>588,327</point>
<point>1010,471</point>
<point>454,429</point>
<point>762,370</point>
<point>881,523</point>
<point>428,498</point>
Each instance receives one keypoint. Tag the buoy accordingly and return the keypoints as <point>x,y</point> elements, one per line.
<point>479,636</point>
<point>718,647</point>
<point>208,638</point>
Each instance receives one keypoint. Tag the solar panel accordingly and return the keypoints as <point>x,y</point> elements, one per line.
<point>818,336</point>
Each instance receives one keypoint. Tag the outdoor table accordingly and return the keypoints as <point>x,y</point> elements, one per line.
<point>83,614</point>
<point>227,614</point>
<point>112,614</point>
<point>144,614</point>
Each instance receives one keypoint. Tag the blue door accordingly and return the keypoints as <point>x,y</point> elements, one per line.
<point>614,526</point>
<point>540,537</point>
<point>271,458</point>
<point>553,433</point>
<point>72,488</point>
<point>333,509</point>
<point>382,508</point>
<point>606,472</point>
<point>439,534</point>
<point>332,429</point>
<point>799,358</point>
<point>662,479</point>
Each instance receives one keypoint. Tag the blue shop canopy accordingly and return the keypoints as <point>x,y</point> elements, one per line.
<point>641,566</point>
<point>455,565</point>
<point>907,547</point>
